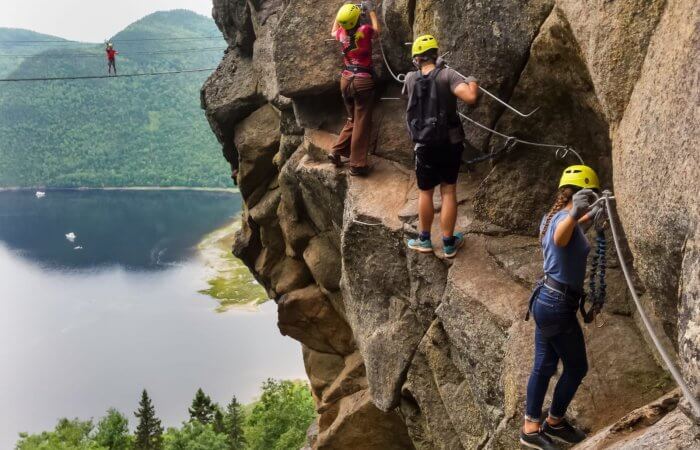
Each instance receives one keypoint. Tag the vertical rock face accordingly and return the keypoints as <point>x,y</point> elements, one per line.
<point>408,350</point>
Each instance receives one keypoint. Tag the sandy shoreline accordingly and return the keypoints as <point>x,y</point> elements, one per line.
<point>230,282</point>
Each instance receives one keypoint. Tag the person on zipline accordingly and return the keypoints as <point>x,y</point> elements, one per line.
<point>436,130</point>
<point>553,305</point>
<point>356,85</point>
<point>111,59</point>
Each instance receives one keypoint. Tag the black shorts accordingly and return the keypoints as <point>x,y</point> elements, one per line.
<point>438,164</point>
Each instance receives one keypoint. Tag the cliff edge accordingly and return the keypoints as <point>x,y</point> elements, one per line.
<point>407,350</point>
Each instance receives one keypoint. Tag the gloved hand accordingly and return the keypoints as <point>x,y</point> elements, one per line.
<point>582,202</point>
<point>593,216</point>
<point>596,213</point>
<point>367,5</point>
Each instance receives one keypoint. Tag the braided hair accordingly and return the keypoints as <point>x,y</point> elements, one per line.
<point>564,195</point>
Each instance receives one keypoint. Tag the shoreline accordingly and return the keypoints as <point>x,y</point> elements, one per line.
<point>125,188</point>
<point>230,283</point>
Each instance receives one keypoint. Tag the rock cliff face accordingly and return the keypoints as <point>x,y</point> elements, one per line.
<point>409,350</point>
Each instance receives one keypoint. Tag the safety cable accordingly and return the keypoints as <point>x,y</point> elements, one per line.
<point>399,78</point>
<point>562,151</point>
<point>56,41</point>
<point>94,77</point>
<point>647,324</point>
<point>101,55</point>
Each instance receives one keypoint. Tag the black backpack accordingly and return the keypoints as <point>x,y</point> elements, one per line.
<point>427,121</point>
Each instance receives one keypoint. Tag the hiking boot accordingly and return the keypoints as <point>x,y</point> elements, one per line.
<point>564,431</point>
<point>423,246</point>
<point>537,440</point>
<point>451,250</point>
<point>335,160</point>
<point>359,171</point>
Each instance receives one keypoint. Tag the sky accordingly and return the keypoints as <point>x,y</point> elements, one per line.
<point>86,20</point>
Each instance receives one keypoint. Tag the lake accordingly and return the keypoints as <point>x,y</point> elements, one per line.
<point>86,325</point>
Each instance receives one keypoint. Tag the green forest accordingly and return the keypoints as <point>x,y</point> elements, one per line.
<point>277,421</point>
<point>143,131</point>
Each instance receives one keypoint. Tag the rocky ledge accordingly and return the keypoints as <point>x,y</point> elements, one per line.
<point>408,350</point>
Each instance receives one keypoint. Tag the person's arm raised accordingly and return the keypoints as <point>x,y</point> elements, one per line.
<point>580,205</point>
<point>375,22</point>
<point>564,231</point>
<point>467,92</point>
<point>334,30</point>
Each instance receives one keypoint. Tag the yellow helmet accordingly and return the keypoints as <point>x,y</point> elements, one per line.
<point>423,44</point>
<point>580,176</point>
<point>348,15</point>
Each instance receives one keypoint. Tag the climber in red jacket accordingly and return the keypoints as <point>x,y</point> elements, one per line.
<point>111,63</point>
<point>356,84</point>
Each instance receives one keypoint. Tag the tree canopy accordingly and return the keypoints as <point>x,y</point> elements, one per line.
<point>277,421</point>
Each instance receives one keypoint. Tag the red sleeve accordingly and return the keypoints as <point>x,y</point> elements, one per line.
<point>338,34</point>
<point>367,30</point>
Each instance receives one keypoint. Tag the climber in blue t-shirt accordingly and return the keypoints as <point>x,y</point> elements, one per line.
<point>558,335</point>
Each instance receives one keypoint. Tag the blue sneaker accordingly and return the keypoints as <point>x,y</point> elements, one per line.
<point>420,246</point>
<point>451,250</point>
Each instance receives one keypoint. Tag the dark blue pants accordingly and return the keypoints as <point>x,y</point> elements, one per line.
<point>558,336</point>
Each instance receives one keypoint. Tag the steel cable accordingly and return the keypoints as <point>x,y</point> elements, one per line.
<point>101,55</point>
<point>94,77</point>
<point>562,151</point>
<point>647,324</point>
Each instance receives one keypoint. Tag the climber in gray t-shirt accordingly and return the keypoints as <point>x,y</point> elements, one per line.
<point>436,129</point>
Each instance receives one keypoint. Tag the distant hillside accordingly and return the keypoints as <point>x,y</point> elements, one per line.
<point>111,132</point>
<point>11,50</point>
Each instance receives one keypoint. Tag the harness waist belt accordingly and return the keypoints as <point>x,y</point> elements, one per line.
<point>358,69</point>
<point>562,288</point>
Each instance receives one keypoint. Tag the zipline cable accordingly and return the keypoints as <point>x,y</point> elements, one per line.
<point>101,55</point>
<point>647,324</point>
<point>94,77</point>
<point>56,41</point>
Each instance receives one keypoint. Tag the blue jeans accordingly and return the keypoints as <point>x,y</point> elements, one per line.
<point>558,336</point>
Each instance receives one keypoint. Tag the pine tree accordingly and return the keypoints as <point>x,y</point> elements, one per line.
<point>149,432</point>
<point>233,423</point>
<point>202,409</point>
<point>218,422</point>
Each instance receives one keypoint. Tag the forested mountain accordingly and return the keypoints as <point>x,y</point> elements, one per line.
<point>14,48</point>
<point>110,132</point>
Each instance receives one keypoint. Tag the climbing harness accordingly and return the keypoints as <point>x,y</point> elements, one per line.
<point>355,69</point>
<point>606,199</point>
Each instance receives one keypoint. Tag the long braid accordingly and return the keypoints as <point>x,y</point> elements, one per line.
<point>564,195</point>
